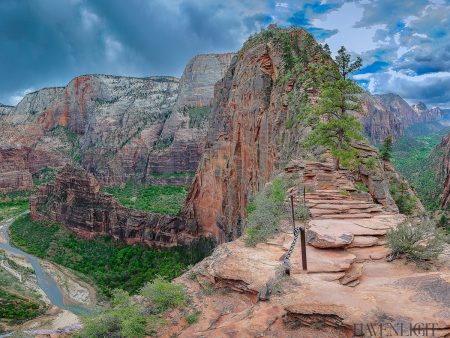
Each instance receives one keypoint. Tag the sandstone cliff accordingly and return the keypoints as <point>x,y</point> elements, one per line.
<point>428,114</point>
<point>389,114</point>
<point>75,200</point>
<point>120,128</point>
<point>441,156</point>
<point>255,129</point>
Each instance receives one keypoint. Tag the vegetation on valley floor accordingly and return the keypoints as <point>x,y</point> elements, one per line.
<point>18,302</point>
<point>138,317</point>
<point>152,198</point>
<point>412,158</point>
<point>107,263</point>
<point>13,203</point>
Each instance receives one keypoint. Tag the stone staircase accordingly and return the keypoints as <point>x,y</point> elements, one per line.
<point>347,227</point>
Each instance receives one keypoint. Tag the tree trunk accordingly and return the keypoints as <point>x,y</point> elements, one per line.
<point>336,163</point>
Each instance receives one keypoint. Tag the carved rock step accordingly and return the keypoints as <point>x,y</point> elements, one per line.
<point>330,260</point>
<point>345,216</point>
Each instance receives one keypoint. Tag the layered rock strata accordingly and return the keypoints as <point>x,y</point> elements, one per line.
<point>442,156</point>
<point>121,128</point>
<point>75,200</point>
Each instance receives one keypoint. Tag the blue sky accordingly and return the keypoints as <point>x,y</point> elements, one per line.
<point>405,44</point>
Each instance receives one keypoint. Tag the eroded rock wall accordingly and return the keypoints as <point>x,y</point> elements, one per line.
<point>75,200</point>
<point>442,155</point>
<point>121,128</point>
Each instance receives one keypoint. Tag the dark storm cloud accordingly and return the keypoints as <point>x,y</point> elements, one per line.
<point>48,42</point>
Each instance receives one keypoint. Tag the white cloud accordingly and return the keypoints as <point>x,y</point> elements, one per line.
<point>357,40</point>
<point>89,19</point>
<point>113,48</point>
<point>281,4</point>
<point>18,96</point>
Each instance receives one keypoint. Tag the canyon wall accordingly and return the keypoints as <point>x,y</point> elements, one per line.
<point>441,156</point>
<point>389,114</point>
<point>121,128</point>
<point>75,200</point>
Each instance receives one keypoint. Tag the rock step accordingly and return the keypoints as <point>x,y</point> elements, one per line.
<point>332,201</point>
<point>320,213</point>
<point>344,216</point>
<point>343,206</point>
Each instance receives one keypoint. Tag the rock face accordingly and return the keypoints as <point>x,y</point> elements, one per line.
<point>389,114</point>
<point>75,200</point>
<point>378,121</point>
<point>121,128</point>
<point>14,168</point>
<point>199,78</point>
<point>428,114</point>
<point>442,155</point>
<point>247,138</point>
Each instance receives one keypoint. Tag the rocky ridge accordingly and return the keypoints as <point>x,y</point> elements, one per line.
<point>248,139</point>
<point>120,128</point>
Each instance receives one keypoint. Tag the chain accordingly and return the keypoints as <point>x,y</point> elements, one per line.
<point>286,262</point>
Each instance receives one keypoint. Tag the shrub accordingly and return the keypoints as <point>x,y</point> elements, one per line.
<point>268,209</point>
<point>419,242</point>
<point>123,319</point>
<point>405,201</point>
<point>302,213</point>
<point>193,317</point>
<point>164,294</point>
<point>371,163</point>
<point>361,187</point>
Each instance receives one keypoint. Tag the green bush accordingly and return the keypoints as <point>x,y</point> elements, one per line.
<point>405,201</point>
<point>361,187</point>
<point>164,294</point>
<point>418,242</point>
<point>268,210</point>
<point>128,318</point>
<point>302,213</point>
<point>193,317</point>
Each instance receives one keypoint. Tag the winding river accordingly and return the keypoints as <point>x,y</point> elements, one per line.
<point>45,281</point>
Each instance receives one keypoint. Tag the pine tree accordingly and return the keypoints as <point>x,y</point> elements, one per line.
<point>334,128</point>
<point>386,149</point>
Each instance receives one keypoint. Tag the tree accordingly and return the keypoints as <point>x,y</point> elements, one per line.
<point>326,49</point>
<point>334,128</point>
<point>386,149</point>
<point>346,67</point>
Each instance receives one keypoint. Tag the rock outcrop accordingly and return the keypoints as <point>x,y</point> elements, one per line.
<point>249,139</point>
<point>347,290</point>
<point>389,114</point>
<point>378,121</point>
<point>441,156</point>
<point>121,128</point>
<point>75,200</point>
<point>428,114</point>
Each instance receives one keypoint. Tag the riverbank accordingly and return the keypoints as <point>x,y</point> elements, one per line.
<point>44,282</point>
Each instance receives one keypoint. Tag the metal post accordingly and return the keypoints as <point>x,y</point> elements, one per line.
<point>302,236</point>
<point>303,245</point>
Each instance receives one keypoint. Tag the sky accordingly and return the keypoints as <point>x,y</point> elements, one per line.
<point>404,44</point>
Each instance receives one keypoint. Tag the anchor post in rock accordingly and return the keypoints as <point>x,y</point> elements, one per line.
<point>302,236</point>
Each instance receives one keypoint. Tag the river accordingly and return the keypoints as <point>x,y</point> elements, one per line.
<point>45,281</point>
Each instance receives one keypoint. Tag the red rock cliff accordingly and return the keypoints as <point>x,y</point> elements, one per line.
<point>247,138</point>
